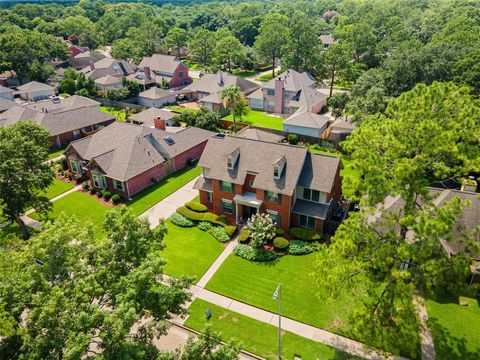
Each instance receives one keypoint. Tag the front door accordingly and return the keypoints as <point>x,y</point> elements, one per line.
<point>250,211</point>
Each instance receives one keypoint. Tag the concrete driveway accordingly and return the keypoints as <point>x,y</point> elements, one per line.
<point>165,208</point>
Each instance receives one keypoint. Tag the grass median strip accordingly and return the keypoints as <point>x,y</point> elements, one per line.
<point>257,337</point>
<point>56,188</point>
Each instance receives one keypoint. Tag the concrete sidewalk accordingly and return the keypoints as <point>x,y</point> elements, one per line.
<point>165,208</point>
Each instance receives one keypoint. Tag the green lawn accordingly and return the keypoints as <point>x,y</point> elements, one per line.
<point>148,197</point>
<point>455,328</point>
<point>177,109</point>
<point>257,337</point>
<point>53,153</point>
<point>260,119</point>
<point>267,77</point>
<point>80,205</point>
<point>58,187</point>
<point>189,251</point>
<point>119,114</point>
<point>254,283</point>
<point>245,73</point>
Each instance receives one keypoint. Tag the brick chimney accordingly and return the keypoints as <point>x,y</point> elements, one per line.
<point>159,123</point>
<point>278,96</point>
<point>92,65</point>
<point>146,70</point>
<point>219,77</point>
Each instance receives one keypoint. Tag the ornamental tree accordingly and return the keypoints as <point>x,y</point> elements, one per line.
<point>262,229</point>
<point>69,295</point>
<point>24,174</point>
<point>427,135</point>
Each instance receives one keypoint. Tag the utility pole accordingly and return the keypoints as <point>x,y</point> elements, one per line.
<point>277,295</point>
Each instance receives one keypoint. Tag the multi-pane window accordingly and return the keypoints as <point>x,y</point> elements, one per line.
<point>119,185</point>
<point>276,172</point>
<point>306,221</point>
<point>180,74</point>
<point>273,197</point>
<point>99,181</point>
<point>209,197</point>
<point>314,195</point>
<point>75,167</point>
<point>226,186</point>
<point>275,216</point>
<point>271,92</point>
<point>227,206</point>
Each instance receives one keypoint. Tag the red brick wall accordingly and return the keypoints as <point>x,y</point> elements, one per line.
<point>337,191</point>
<point>180,161</point>
<point>177,80</point>
<point>68,137</point>
<point>204,201</point>
<point>283,209</point>
<point>144,179</point>
<point>294,222</point>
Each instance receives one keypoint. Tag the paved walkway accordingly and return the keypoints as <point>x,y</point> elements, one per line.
<point>55,158</point>
<point>165,208</point>
<point>426,338</point>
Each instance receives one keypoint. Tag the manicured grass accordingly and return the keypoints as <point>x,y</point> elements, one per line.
<point>189,251</point>
<point>455,328</point>
<point>53,153</point>
<point>266,77</point>
<point>58,187</point>
<point>254,283</point>
<point>148,197</point>
<point>177,109</point>
<point>245,73</point>
<point>257,337</point>
<point>80,205</point>
<point>120,114</point>
<point>260,119</point>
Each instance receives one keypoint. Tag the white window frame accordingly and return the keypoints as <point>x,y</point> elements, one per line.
<point>115,182</point>
<point>77,166</point>
<point>275,216</point>
<point>209,197</point>
<point>99,181</point>
<point>226,201</point>
<point>306,219</point>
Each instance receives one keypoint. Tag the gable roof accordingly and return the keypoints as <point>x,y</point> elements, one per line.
<point>257,134</point>
<point>83,59</point>
<point>255,157</point>
<point>210,84</point>
<point>5,90</point>
<point>328,39</point>
<point>292,80</point>
<point>146,117</point>
<point>123,150</point>
<point>109,80</point>
<point>166,64</point>
<point>319,172</point>
<point>307,98</point>
<point>307,119</point>
<point>156,93</point>
<point>109,66</point>
<point>70,103</point>
<point>5,105</point>
<point>34,86</point>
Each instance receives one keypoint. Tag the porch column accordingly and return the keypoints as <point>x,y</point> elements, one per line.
<point>236,213</point>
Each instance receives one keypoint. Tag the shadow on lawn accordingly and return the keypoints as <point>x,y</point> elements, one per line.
<point>448,346</point>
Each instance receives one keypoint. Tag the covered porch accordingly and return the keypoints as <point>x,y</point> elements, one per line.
<point>246,205</point>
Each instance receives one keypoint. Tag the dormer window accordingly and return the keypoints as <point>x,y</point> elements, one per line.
<point>232,159</point>
<point>229,162</point>
<point>276,171</point>
<point>278,167</point>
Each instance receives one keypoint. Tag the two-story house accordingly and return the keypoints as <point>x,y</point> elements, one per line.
<point>243,176</point>
<point>158,69</point>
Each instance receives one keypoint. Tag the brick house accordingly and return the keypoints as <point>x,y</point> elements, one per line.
<point>156,69</point>
<point>66,119</point>
<point>243,176</point>
<point>125,158</point>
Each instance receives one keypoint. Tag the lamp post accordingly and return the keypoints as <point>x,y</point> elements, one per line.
<point>277,295</point>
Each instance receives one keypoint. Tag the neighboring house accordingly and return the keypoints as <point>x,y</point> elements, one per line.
<point>84,59</point>
<point>5,104</point>
<point>156,97</point>
<point>158,69</point>
<point>66,119</point>
<point>208,89</point>
<point>257,134</point>
<point>75,50</point>
<point>9,78</point>
<point>108,66</point>
<point>293,94</point>
<point>327,40</point>
<point>109,82</point>
<point>340,129</point>
<point>34,91</point>
<point>126,158</point>
<point>6,93</point>
<point>147,117</point>
<point>242,177</point>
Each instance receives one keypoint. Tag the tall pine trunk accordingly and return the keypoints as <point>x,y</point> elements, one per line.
<point>333,78</point>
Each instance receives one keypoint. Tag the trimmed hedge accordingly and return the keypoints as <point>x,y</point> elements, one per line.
<point>279,232</point>
<point>305,234</point>
<point>196,206</point>
<point>196,216</point>
<point>219,233</point>
<point>299,247</point>
<point>248,253</point>
<point>244,235</point>
<point>230,229</point>
<point>180,220</point>
<point>280,243</point>
<point>204,225</point>
<point>116,198</point>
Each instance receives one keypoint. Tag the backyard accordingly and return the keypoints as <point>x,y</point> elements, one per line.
<point>120,114</point>
<point>55,152</point>
<point>455,327</point>
<point>257,337</point>
<point>148,197</point>
<point>190,251</point>
<point>260,119</point>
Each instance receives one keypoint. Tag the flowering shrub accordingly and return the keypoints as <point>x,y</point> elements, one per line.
<point>262,229</point>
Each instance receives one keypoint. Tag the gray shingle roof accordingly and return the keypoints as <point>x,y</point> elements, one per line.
<point>161,63</point>
<point>254,157</point>
<point>155,93</point>
<point>124,150</point>
<point>292,80</point>
<point>307,98</point>
<point>146,117</point>
<point>5,105</point>
<point>34,86</point>
<point>70,103</point>
<point>319,172</point>
<point>109,80</point>
<point>310,208</point>
<point>256,134</point>
<point>307,119</point>
<point>209,84</point>
<point>5,90</point>
<point>109,66</point>
<point>327,39</point>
